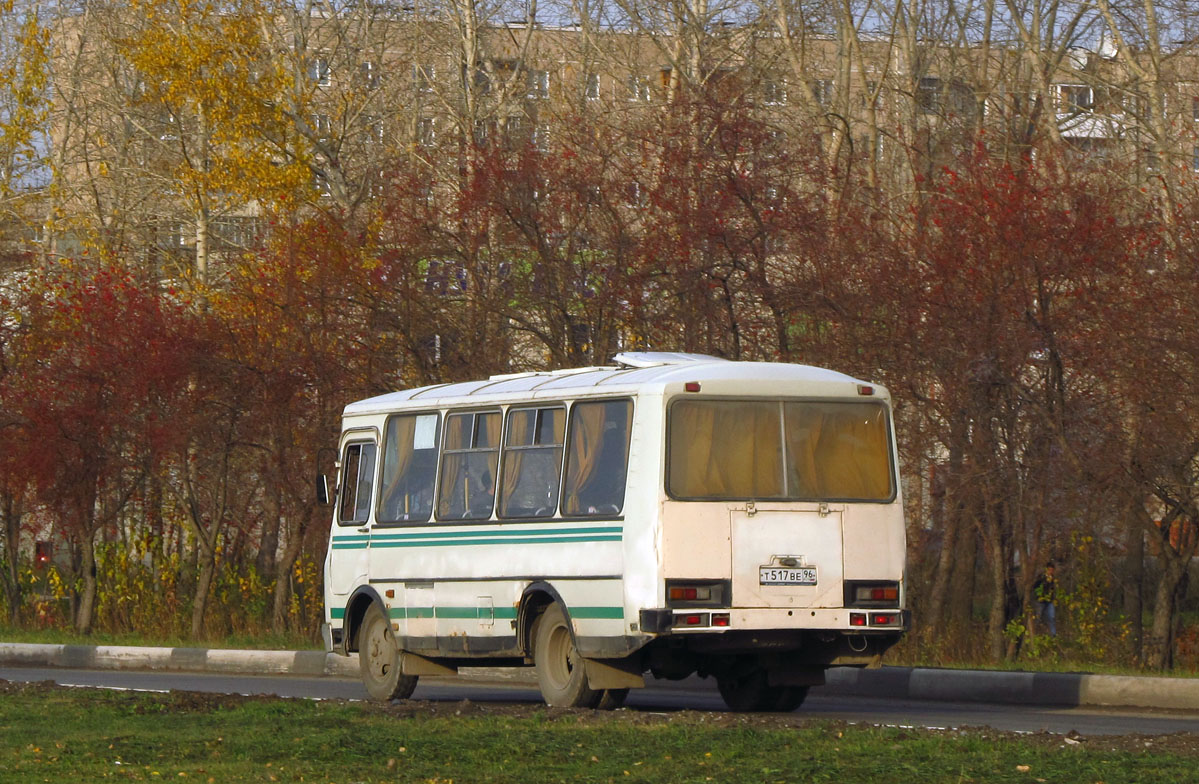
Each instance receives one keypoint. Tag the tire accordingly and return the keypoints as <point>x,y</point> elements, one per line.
<point>379,659</point>
<point>789,698</point>
<point>611,699</point>
<point>749,690</point>
<point>559,665</point>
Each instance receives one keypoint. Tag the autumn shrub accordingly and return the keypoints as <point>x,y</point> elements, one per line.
<point>138,590</point>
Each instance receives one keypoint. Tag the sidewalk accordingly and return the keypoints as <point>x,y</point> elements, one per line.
<point>1031,688</point>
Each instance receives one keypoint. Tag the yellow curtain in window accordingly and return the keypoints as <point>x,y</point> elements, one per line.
<point>586,440</point>
<point>724,449</point>
<point>839,450</point>
<point>397,458</point>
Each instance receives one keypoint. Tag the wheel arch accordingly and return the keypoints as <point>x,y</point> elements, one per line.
<point>533,602</point>
<point>361,600</point>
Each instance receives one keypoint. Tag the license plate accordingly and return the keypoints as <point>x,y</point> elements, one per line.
<point>778,575</point>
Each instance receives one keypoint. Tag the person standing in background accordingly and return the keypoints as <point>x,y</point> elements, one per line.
<point>1045,590</point>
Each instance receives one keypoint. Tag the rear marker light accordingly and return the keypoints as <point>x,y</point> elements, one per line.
<point>865,389</point>
<point>720,619</point>
<point>691,386</point>
<point>857,619</point>
<point>691,619</point>
<point>877,594</point>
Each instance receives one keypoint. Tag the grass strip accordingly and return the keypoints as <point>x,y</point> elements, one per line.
<point>55,734</point>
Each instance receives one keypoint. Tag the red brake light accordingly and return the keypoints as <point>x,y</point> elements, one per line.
<point>857,619</point>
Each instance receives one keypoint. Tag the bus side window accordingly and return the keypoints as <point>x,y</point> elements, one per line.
<point>532,462</point>
<point>357,474</point>
<point>470,459</point>
<point>597,458</point>
<point>408,469</point>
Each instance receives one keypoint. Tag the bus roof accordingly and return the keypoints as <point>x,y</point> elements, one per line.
<point>635,372</point>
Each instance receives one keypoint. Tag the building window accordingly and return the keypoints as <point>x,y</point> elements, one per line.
<point>374,129</point>
<point>482,133</point>
<point>422,77</point>
<point>591,87</point>
<point>1195,158</point>
<point>634,195</point>
<point>320,72</point>
<point>935,96</point>
<point>774,92</point>
<point>538,85</point>
<point>481,81</point>
<point>1074,98</point>
<point>517,132</point>
<point>426,131</point>
<point>928,95</point>
<point>322,126</point>
<point>638,88</point>
<point>822,90</point>
<point>368,72</point>
<point>869,97</point>
<point>1195,108</point>
<point>541,137</point>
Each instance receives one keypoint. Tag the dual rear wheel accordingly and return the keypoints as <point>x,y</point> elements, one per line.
<point>751,691</point>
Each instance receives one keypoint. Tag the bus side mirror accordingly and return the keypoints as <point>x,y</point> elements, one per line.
<point>322,490</point>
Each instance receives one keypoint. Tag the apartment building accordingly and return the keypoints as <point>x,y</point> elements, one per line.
<point>376,82</point>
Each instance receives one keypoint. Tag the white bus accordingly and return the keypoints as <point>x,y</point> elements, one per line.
<point>670,515</point>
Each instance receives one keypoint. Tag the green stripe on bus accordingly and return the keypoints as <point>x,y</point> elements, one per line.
<point>466,542</point>
<point>337,613</point>
<point>596,612</point>
<point>505,532</point>
<point>497,613</point>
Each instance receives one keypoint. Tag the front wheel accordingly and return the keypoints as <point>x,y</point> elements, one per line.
<point>379,659</point>
<point>559,665</point>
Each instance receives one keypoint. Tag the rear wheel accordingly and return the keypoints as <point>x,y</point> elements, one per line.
<point>750,690</point>
<point>379,659</point>
<point>790,698</point>
<point>611,699</point>
<point>559,665</point>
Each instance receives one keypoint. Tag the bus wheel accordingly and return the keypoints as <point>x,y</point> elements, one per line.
<point>379,659</point>
<point>611,699</point>
<point>748,691</point>
<point>789,698</point>
<point>559,665</point>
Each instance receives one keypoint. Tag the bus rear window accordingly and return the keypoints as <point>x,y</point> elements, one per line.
<point>785,450</point>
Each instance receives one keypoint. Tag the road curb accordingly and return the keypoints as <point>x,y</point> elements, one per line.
<point>916,683</point>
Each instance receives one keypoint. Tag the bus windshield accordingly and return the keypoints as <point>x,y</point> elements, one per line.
<point>779,449</point>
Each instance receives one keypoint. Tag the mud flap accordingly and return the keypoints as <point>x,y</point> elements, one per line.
<point>613,674</point>
<point>411,664</point>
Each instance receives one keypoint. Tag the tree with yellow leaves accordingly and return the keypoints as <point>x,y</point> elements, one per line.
<point>24,46</point>
<point>223,145</point>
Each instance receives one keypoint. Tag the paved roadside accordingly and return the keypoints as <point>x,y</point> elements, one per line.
<point>917,683</point>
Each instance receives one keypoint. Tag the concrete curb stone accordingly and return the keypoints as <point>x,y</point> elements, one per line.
<point>984,686</point>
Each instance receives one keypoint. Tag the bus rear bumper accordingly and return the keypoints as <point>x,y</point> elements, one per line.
<point>724,620</point>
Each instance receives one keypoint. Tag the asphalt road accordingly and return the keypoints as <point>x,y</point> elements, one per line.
<point>890,712</point>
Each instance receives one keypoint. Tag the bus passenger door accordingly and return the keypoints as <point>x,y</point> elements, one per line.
<point>350,540</point>
<point>787,558</point>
